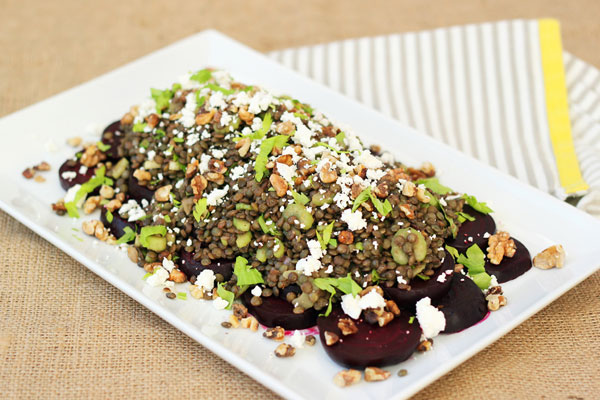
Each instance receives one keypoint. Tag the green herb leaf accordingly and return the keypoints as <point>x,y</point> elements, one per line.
<point>160,134</point>
<point>109,216</point>
<point>463,216</point>
<point>139,127</point>
<point>246,275</point>
<point>453,252</point>
<point>330,147</point>
<point>260,165</point>
<point>264,129</point>
<point>200,209</point>
<point>361,198</point>
<point>225,295</point>
<point>176,87</point>
<point>243,206</point>
<point>202,76</point>
<point>327,235</point>
<point>127,237</point>
<point>167,219</point>
<point>148,231</point>
<point>474,260</point>
<point>333,242</point>
<point>217,88</point>
<point>359,246</point>
<point>267,226</point>
<point>102,146</point>
<point>411,319</point>
<point>200,100</point>
<point>299,198</point>
<point>476,205</point>
<point>345,285</point>
<point>174,201</point>
<point>178,140</point>
<point>182,295</point>
<point>98,180</point>
<point>482,280</point>
<point>145,143</point>
<point>339,138</point>
<point>162,98</point>
<point>434,185</point>
<point>383,208</point>
<point>375,276</point>
<point>424,277</point>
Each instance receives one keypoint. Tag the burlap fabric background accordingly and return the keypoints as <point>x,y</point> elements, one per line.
<point>65,333</point>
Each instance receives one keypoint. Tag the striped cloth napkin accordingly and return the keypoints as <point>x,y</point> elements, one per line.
<point>497,91</point>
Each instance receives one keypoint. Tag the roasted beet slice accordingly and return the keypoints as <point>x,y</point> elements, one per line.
<point>138,191</point>
<point>432,288</point>
<point>112,136</point>
<point>464,305</point>
<point>510,268</point>
<point>475,230</point>
<point>70,174</point>
<point>275,311</point>
<point>372,345</point>
<point>117,225</point>
<point>191,267</point>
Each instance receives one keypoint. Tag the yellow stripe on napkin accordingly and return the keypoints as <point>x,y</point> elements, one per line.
<point>557,107</point>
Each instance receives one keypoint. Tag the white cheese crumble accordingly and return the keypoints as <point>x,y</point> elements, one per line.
<point>68,175</point>
<point>287,172</point>
<point>368,160</point>
<point>350,306</point>
<point>371,300</point>
<point>354,219</point>
<point>219,303</point>
<point>297,339</point>
<point>308,265</point>
<point>431,319</point>
<point>158,278</point>
<point>168,264</point>
<point>315,249</point>
<point>215,197</point>
<point>256,291</point>
<point>133,210</point>
<point>206,280</point>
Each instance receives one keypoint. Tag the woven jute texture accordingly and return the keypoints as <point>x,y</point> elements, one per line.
<point>65,333</point>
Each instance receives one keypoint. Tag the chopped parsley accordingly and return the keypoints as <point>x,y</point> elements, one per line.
<point>200,209</point>
<point>299,198</point>
<point>326,237</point>
<point>246,274</point>
<point>103,147</point>
<point>384,208</point>
<point>434,185</point>
<point>139,127</point>
<point>127,237</point>
<point>109,216</point>
<point>267,226</point>
<point>260,165</point>
<point>162,98</point>
<point>345,285</point>
<point>98,180</point>
<point>202,76</point>
<point>474,260</point>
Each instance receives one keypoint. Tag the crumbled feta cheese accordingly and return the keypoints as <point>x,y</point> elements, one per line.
<point>215,197</point>
<point>315,249</point>
<point>256,291</point>
<point>431,319</point>
<point>308,265</point>
<point>83,170</point>
<point>287,172</point>
<point>206,280</point>
<point>192,139</point>
<point>217,100</point>
<point>158,278</point>
<point>68,175</point>
<point>204,160</point>
<point>350,306</point>
<point>219,303</point>
<point>401,280</point>
<point>297,339</point>
<point>354,219</point>
<point>260,102</point>
<point>442,201</point>
<point>150,155</point>
<point>371,300</point>
<point>368,160</point>
<point>237,172</point>
<point>133,210</point>
<point>168,264</point>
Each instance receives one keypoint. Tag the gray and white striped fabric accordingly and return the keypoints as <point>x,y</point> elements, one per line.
<point>479,88</point>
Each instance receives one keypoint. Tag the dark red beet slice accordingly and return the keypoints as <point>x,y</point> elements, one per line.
<point>69,167</point>
<point>275,311</point>
<point>118,224</point>
<point>473,229</point>
<point>112,136</point>
<point>419,288</point>
<point>191,267</point>
<point>464,305</point>
<point>138,191</point>
<point>510,268</point>
<point>371,345</point>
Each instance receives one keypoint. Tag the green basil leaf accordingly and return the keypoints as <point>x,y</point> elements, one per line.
<point>109,216</point>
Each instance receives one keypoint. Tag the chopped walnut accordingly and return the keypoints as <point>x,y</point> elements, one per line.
<point>126,119</point>
<point>59,207</point>
<point>409,189</point>
<point>285,128</point>
<point>215,177</point>
<point>205,118</point>
<point>368,289</point>
<point>133,254</point>
<point>151,267</point>
<point>243,146</point>
<point>285,350</point>
<point>218,166</point>
<point>500,245</point>
<point>142,175</point>
<point>245,115</point>
<point>163,193</point>
<point>330,338</point>
<point>428,169</point>
<point>422,195</point>
<point>177,276</point>
<point>347,326</point>
<point>152,120</point>
<point>495,301</point>
<point>39,179</point>
<point>553,256</point>
<point>198,184</point>
<point>95,228</point>
<point>277,333</point>
<point>355,190</point>
<point>279,184</point>
<point>385,318</point>
<point>408,210</point>
<point>43,166</point>
<point>107,192</point>
<point>91,204</point>
<point>76,141</point>
<point>392,307</point>
<point>346,237</point>
<point>239,310</point>
<point>191,168</point>
<point>360,170</point>
<point>374,374</point>
<point>347,377</point>
<point>327,174</point>
<point>249,323</point>
<point>28,173</point>
<point>91,156</point>
<point>425,345</point>
<point>458,267</point>
<point>234,321</point>
<point>113,205</point>
<point>285,159</point>
<point>381,190</point>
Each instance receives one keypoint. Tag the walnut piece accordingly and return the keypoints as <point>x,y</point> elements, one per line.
<point>425,345</point>
<point>198,184</point>
<point>422,196</point>
<point>142,175</point>
<point>239,310</point>
<point>285,350</point>
<point>277,333</point>
<point>91,204</point>
<point>553,256</point>
<point>91,156</point>
<point>177,276</point>
<point>495,301</point>
<point>347,377</point>
<point>162,194</point>
<point>243,146</point>
<point>331,338</point>
<point>250,323</point>
<point>347,326</point>
<point>245,115</point>
<point>205,118</point>
<point>327,174</point>
<point>499,246</point>
<point>409,189</point>
<point>374,374</point>
<point>279,184</point>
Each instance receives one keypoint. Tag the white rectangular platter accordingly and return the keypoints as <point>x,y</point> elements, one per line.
<point>39,133</point>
